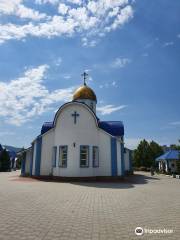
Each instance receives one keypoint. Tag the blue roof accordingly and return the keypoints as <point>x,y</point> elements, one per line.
<point>115,128</point>
<point>46,127</point>
<point>1,148</point>
<point>169,155</point>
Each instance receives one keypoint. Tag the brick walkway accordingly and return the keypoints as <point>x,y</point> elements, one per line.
<point>31,209</point>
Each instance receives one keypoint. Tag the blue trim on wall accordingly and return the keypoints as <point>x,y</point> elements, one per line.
<point>23,165</point>
<point>122,159</point>
<point>113,156</point>
<point>31,161</point>
<point>38,156</point>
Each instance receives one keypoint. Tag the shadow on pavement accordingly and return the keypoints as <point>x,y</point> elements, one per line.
<point>112,183</point>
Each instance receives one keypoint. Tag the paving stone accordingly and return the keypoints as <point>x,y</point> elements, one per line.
<point>37,210</point>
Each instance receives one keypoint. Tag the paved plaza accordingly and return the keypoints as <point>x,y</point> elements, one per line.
<point>39,210</point>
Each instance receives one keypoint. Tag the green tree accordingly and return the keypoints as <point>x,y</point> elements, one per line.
<point>146,153</point>
<point>5,162</point>
<point>178,166</point>
<point>141,154</point>
<point>156,150</point>
<point>175,147</point>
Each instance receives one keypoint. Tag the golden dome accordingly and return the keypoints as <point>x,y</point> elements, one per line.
<point>84,92</point>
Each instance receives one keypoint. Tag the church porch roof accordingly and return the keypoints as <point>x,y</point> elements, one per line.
<point>46,127</point>
<point>169,155</point>
<point>115,128</point>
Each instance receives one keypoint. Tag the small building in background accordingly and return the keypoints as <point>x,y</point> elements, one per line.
<point>168,161</point>
<point>12,152</point>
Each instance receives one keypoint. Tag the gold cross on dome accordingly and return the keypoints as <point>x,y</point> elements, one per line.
<point>85,76</point>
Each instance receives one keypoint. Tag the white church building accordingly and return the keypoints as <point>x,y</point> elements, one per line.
<point>78,144</point>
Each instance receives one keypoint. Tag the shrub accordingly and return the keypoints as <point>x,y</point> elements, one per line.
<point>5,163</point>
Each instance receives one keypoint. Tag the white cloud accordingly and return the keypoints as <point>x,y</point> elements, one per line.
<point>77,2</point>
<point>122,17</point>
<point>90,79</point>
<point>175,123</point>
<point>108,85</point>
<point>178,35</point>
<point>91,19</point>
<point>86,42</point>
<point>53,2</point>
<point>108,109</point>
<point>167,44</point>
<point>58,62</point>
<point>66,76</point>
<point>26,97</point>
<point>15,7</point>
<point>120,62</point>
<point>145,54</point>
<point>132,143</point>
<point>6,133</point>
<point>114,84</point>
<point>56,27</point>
<point>63,8</point>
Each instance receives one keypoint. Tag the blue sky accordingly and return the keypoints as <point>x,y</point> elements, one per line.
<point>131,50</point>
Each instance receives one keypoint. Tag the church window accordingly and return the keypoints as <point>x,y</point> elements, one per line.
<point>54,156</point>
<point>84,156</point>
<point>63,152</point>
<point>95,155</point>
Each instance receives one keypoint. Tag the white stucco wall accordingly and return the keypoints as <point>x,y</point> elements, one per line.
<point>88,102</point>
<point>126,160</point>
<point>46,153</point>
<point>104,154</point>
<point>28,159</point>
<point>84,132</point>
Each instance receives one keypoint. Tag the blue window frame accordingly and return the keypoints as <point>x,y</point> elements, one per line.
<point>84,156</point>
<point>54,154</point>
<point>95,156</point>
<point>63,156</point>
